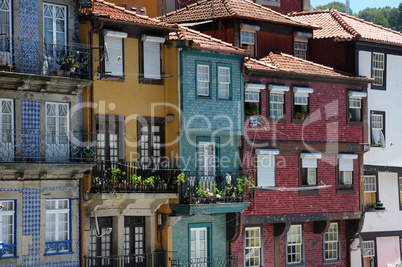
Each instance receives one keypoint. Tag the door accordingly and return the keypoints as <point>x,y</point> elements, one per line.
<point>57,132</point>
<point>199,246</point>
<point>151,136</point>
<point>6,130</point>
<point>101,247</point>
<point>134,241</point>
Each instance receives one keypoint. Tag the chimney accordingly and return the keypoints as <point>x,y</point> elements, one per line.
<point>306,5</point>
<point>139,9</point>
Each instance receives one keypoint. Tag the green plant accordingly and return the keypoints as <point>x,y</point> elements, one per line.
<point>249,111</point>
<point>244,185</point>
<point>150,181</point>
<point>180,178</point>
<point>135,179</point>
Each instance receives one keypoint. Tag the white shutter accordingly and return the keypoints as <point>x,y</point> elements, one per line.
<point>152,60</point>
<point>266,170</point>
<point>309,163</point>
<point>114,58</point>
<point>346,161</point>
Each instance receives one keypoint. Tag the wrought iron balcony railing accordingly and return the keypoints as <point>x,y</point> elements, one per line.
<point>33,57</point>
<point>228,261</point>
<point>156,259</point>
<point>33,146</point>
<point>201,188</point>
<point>129,177</point>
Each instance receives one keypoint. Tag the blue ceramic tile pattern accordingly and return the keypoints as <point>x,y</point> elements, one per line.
<point>31,211</point>
<point>30,119</point>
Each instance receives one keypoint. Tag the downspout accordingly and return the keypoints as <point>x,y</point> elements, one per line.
<point>82,222</point>
<point>179,98</point>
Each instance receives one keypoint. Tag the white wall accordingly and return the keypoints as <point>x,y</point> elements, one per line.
<point>388,251</point>
<point>389,101</point>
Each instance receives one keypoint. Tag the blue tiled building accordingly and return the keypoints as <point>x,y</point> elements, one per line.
<point>211,126</point>
<point>43,152</point>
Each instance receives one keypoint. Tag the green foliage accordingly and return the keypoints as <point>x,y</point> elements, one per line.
<point>380,19</point>
<point>385,16</point>
<point>244,185</point>
<point>335,5</point>
<point>180,178</point>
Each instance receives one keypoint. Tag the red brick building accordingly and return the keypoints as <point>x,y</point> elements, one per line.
<point>306,146</point>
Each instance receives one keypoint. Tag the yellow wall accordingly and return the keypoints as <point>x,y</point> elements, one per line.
<point>130,98</point>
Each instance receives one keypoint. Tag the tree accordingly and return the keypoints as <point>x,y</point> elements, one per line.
<point>380,19</point>
<point>341,7</point>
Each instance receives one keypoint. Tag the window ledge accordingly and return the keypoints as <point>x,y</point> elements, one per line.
<point>308,192</point>
<point>378,87</point>
<point>276,119</point>
<point>355,123</point>
<point>108,77</point>
<point>330,262</point>
<point>60,253</point>
<point>300,120</point>
<point>8,258</point>
<point>295,264</point>
<point>345,191</point>
<point>151,81</point>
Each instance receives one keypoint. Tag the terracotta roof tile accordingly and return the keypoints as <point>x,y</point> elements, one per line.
<point>105,9</point>
<point>335,24</point>
<point>212,9</point>
<point>206,42</point>
<point>290,64</point>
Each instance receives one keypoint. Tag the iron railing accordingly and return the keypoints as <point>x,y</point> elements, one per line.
<point>156,259</point>
<point>228,261</point>
<point>32,146</point>
<point>201,188</point>
<point>35,57</point>
<point>128,176</point>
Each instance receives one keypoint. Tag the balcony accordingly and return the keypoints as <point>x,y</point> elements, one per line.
<point>156,259</point>
<point>129,177</point>
<point>34,147</point>
<point>32,57</point>
<point>228,261</point>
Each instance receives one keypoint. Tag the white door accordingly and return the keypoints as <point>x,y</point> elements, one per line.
<point>6,130</point>
<point>207,158</point>
<point>199,246</point>
<point>57,131</point>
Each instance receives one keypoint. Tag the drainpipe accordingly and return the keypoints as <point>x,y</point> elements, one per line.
<point>179,99</point>
<point>92,85</point>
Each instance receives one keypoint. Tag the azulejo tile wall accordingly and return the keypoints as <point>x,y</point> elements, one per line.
<point>30,120</point>
<point>31,217</point>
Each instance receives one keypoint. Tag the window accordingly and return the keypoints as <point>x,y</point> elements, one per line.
<point>346,170</point>
<point>300,47</point>
<point>101,246</point>
<point>252,249</point>
<point>134,237</point>
<point>224,82</point>
<point>113,52</point>
<point>400,191</point>
<point>6,129</point>
<point>370,190</point>
<point>378,70</point>
<point>368,253</point>
<point>57,131</point>
<point>309,168</point>
<point>200,237</point>
<point>377,128</point>
<point>207,158</point>
<point>331,243</point>
<point>110,143</point>
<point>152,56</point>
<point>5,32</point>
<point>248,34</point>
<point>55,24</point>
<point>7,228</point>
<point>151,140</point>
<point>294,244</point>
<point>355,106</point>
<point>301,102</point>
<point>203,84</point>
<point>252,98</point>
<point>266,166</point>
<point>58,237</point>
<point>277,101</point>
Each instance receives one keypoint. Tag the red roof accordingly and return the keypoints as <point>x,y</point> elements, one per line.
<point>335,24</point>
<point>205,42</point>
<point>280,62</point>
<point>213,9</point>
<point>111,11</point>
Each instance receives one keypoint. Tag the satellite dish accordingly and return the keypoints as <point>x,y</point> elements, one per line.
<point>382,140</point>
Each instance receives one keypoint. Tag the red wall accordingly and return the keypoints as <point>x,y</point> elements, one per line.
<point>267,42</point>
<point>327,121</point>
<point>313,254</point>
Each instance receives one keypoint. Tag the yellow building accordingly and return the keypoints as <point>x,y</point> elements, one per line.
<point>132,108</point>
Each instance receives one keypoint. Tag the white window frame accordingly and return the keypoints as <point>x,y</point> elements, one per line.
<point>377,128</point>
<point>279,106</point>
<point>203,79</point>
<point>59,211</point>
<point>113,52</point>
<point>294,238</point>
<point>370,184</point>
<point>368,249</point>
<point>300,47</point>
<point>346,168</point>
<point>206,159</point>
<point>6,43</point>
<point>224,79</point>
<point>266,167</point>
<point>8,213</point>
<point>252,246</point>
<point>247,37</point>
<point>152,56</point>
<point>331,239</point>
<point>252,92</point>
<point>378,68</point>
<point>197,244</point>
<point>54,23</point>
<point>309,162</point>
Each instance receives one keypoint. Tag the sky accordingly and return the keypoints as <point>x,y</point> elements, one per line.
<point>357,5</point>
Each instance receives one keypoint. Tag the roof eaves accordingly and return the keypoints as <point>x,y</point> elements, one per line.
<point>343,23</point>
